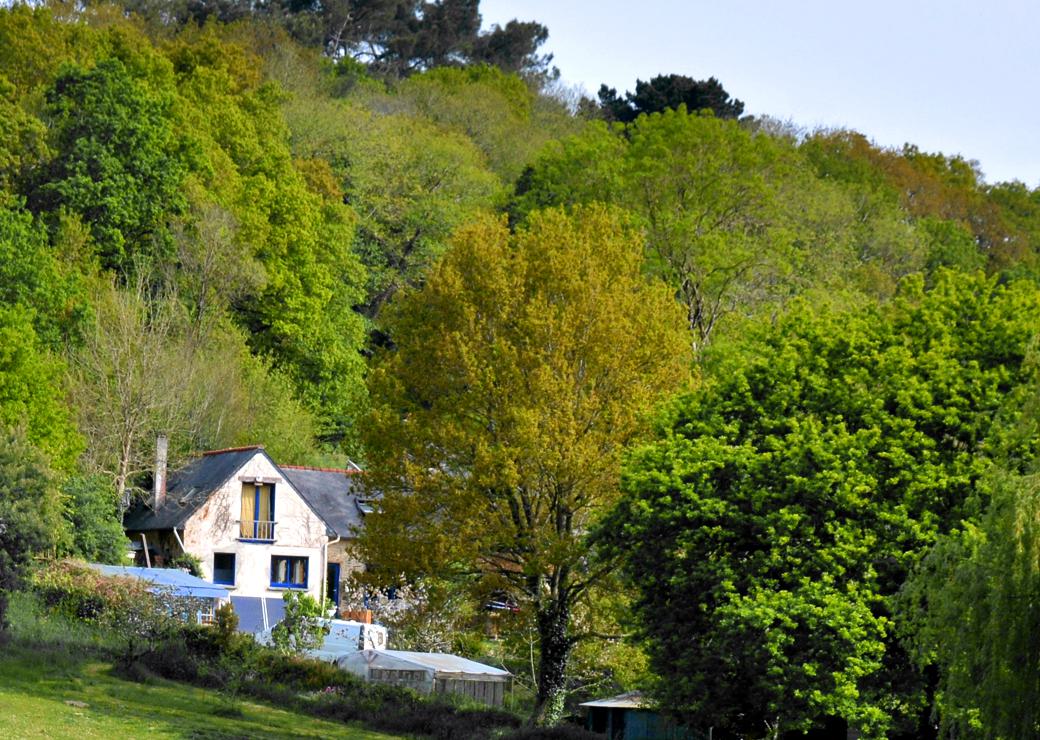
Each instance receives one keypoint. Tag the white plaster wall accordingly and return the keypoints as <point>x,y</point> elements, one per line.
<point>297,532</point>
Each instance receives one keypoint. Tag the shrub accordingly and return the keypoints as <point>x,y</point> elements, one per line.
<point>560,732</point>
<point>187,561</point>
<point>299,629</point>
<point>28,507</point>
<point>137,614</point>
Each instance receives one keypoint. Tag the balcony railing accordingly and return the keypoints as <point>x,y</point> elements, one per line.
<point>257,530</point>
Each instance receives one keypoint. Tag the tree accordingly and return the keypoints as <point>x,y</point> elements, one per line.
<point>394,37</point>
<point>23,141</point>
<point>735,222</point>
<point>410,184</point>
<point>29,511</point>
<point>668,92</point>
<point>498,112</point>
<point>94,520</point>
<point>783,504</point>
<point>32,276</point>
<point>972,605</point>
<point>127,383</point>
<point>516,374</point>
<point>114,163</point>
<point>32,391</point>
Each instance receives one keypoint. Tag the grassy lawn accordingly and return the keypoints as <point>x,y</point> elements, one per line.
<point>54,686</point>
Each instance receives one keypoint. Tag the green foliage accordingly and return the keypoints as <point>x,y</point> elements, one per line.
<point>266,239</point>
<point>497,111</point>
<point>23,143</point>
<point>187,561</point>
<point>114,161</point>
<point>31,275</point>
<point>411,185</point>
<point>785,502</point>
<point>970,606</point>
<point>137,615</point>
<point>94,524</point>
<point>516,375</point>
<point>300,628</point>
<point>31,390</point>
<point>668,92</point>
<point>735,222</point>
<point>927,186</point>
<point>29,511</point>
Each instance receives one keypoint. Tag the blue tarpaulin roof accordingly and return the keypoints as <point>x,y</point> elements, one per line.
<point>250,612</point>
<point>177,581</point>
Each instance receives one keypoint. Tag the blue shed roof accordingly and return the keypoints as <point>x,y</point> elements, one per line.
<point>177,581</point>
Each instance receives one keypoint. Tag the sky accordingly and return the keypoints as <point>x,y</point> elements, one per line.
<point>951,76</point>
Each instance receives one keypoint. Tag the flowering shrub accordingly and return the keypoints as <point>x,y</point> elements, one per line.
<point>140,615</point>
<point>421,616</point>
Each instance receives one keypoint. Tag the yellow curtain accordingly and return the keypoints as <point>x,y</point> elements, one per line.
<point>264,514</point>
<point>248,509</point>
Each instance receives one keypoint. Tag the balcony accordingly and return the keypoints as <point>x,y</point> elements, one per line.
<point>259,530</point>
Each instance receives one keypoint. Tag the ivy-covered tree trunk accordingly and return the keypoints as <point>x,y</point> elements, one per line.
<point>555,644</point>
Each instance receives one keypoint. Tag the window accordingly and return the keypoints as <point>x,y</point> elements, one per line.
<point>288,572</point>
<point>224,568</point>
<point>206,613</point>
<point>258,512</point>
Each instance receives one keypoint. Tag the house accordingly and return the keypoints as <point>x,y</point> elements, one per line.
<point>437,673</point>
<point>334,495</point>
<point>259,529</point>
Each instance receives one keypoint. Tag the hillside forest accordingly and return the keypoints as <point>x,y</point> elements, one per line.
<point>737,413</point>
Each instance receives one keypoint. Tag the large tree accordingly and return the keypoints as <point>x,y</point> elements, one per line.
<point>115,161</point>
<point>393,37</point>
<point>784,503</point>
<point>974,609</point>
<point>668,92</point>
<point>517,374</point>
<point>734,221</point>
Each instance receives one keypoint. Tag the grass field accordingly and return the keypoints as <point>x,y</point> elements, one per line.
<point>53,685</point>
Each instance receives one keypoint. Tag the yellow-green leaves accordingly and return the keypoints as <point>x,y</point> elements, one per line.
<point>516,374</point>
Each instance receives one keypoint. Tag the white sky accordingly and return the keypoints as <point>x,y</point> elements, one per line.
<point>956,76</point>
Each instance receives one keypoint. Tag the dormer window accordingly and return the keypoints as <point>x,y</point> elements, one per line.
<point>257,511</point>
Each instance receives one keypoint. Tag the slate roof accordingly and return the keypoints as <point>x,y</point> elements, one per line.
<point>332,494</point>
<point>189,487</point>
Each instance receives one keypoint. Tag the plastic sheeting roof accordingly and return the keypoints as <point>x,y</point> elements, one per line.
<point>436,662</point>
<point>177,581</point>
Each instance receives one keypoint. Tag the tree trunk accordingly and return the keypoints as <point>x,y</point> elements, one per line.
<point>555,646</point>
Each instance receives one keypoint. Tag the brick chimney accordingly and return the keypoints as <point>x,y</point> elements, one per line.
<point>159,485</point>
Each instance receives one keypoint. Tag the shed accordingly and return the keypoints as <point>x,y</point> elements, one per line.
<point>630,717</point>
<point>430,673</point>
<point>176,582</point>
